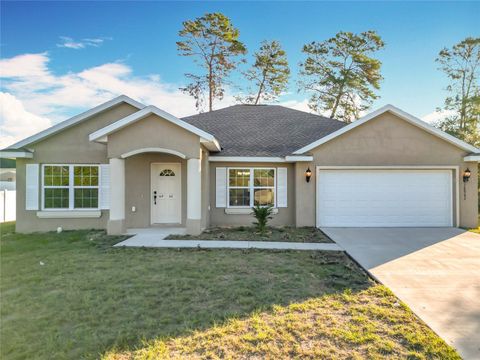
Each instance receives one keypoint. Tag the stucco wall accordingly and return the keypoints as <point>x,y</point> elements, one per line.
<point>385,141</point>
<point>285,216</point>
<point>69,146</point>
<point>153,131</point>
<point>138,187</point>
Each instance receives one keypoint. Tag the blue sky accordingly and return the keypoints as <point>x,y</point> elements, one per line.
<point>134,47</point>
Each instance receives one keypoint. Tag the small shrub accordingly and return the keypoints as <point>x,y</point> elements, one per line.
<point>262,214</point>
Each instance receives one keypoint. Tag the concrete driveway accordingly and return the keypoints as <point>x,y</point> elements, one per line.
<point>436,271</point>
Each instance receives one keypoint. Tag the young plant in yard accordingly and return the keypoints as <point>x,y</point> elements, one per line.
<point>262,214</point>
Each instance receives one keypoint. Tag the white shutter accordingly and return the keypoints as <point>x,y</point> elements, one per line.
<point>282,192</point>
<point>31,186</point>
<point>104,187</point>
<point>221,187</point>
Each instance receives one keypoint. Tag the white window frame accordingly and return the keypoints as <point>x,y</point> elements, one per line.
<point>71,187</point>
<point>251,187</point>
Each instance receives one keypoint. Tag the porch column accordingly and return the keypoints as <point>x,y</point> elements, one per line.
<point>116,223</point>
<point>194,196</point>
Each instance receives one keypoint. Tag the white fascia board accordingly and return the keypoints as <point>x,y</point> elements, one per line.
<point>13,154</point>
<point>298,158</point>
<point>260,159</point>
<point>213,145</point>
<point>246,159</point>
<point>400,113</point>
<point>472,158</point>
<point>76,119</point>
<point>141,114</point>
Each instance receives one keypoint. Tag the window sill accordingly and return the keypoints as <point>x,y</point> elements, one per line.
<point>69,214</point>
<point>243,211</point>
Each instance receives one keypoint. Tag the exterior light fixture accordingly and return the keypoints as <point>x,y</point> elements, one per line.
<point>466,177</point>
<point>308,174</point>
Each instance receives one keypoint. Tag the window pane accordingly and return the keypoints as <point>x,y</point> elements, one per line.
<point>264,177</point>
<point>264,197</point>
<point>56,176</point>
<point>56,198</point>
<point>239,197</point>
<point>85,175</point>
<point>239,177</point>
<point>86,198</point>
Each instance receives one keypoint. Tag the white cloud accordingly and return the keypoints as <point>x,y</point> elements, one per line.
<point>42,95</point>
<point>301,105</point>
<point>70,43</point>
<point>17,123</point>
<point>26,65</point>
<point>435,116</point>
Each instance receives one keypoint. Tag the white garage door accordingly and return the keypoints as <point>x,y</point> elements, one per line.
<point>384,198</point>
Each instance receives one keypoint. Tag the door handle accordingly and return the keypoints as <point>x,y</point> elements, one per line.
<point>154,198</point>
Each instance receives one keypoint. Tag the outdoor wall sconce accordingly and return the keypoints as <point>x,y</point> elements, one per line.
<point>308,174</point>
<point>466,177</point>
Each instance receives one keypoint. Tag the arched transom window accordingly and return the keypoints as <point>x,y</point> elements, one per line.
<point>167,172</point>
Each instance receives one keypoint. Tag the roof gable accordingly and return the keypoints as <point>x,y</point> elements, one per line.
<point>76,120</point>
<point>402,115</point>
<point>101,135</point>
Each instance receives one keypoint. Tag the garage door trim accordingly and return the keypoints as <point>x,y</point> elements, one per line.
<point>454,183</point>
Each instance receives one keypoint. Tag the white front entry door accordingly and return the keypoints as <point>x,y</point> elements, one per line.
<point>166,194</point>
<point>384,198</point>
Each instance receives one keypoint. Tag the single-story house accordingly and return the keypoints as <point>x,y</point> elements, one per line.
<point>126,165</point>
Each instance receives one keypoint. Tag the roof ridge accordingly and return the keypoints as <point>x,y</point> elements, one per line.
<point>203,114</point>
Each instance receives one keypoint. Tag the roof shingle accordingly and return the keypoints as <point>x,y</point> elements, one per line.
<point>263,130</point>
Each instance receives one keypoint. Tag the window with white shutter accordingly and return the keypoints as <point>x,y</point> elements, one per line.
<point>221,187</point>
<point>282,193</point>
<point>32,186</point>
<point>104,186</point>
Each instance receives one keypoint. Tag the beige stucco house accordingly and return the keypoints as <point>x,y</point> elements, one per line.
<point>126,165</point>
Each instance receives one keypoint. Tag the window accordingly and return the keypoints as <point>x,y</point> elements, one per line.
<point>167,172</point>
<point>56,187</point>
<point>70,187</point>
<point>85,187</point>
<point>249,187</point>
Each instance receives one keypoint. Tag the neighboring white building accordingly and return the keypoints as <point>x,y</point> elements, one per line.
<point>8,179</point>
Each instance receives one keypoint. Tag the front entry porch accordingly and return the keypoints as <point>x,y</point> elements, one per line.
<point>155,192</point>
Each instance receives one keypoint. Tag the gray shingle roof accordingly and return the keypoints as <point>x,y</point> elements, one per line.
<point>263,130</point>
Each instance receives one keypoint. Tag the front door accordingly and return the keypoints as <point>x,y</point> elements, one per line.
<point>166,194</point>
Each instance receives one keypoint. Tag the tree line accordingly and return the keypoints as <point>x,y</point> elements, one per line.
<point>341,75</point>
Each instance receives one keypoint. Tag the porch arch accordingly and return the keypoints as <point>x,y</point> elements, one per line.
<point>155,150</point>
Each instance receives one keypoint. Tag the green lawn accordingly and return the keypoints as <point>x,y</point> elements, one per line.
<point>245,233</point>
<point>73,296</point>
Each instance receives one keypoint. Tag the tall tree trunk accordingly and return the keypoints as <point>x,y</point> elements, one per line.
<point>260,89</point>
<point>336,103</point>
<point>210,89</point>
<point>337,100</point>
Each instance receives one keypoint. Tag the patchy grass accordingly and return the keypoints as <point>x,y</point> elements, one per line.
<point>73,296</point>
<point>369,324</point>
<point>248,233</point>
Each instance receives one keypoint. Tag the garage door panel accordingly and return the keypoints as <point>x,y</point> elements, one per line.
<point>371,198</point>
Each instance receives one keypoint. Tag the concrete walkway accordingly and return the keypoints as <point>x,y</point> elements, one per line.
<point>435,271</point>
<point>153,242</point>
<point>155,238</point>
